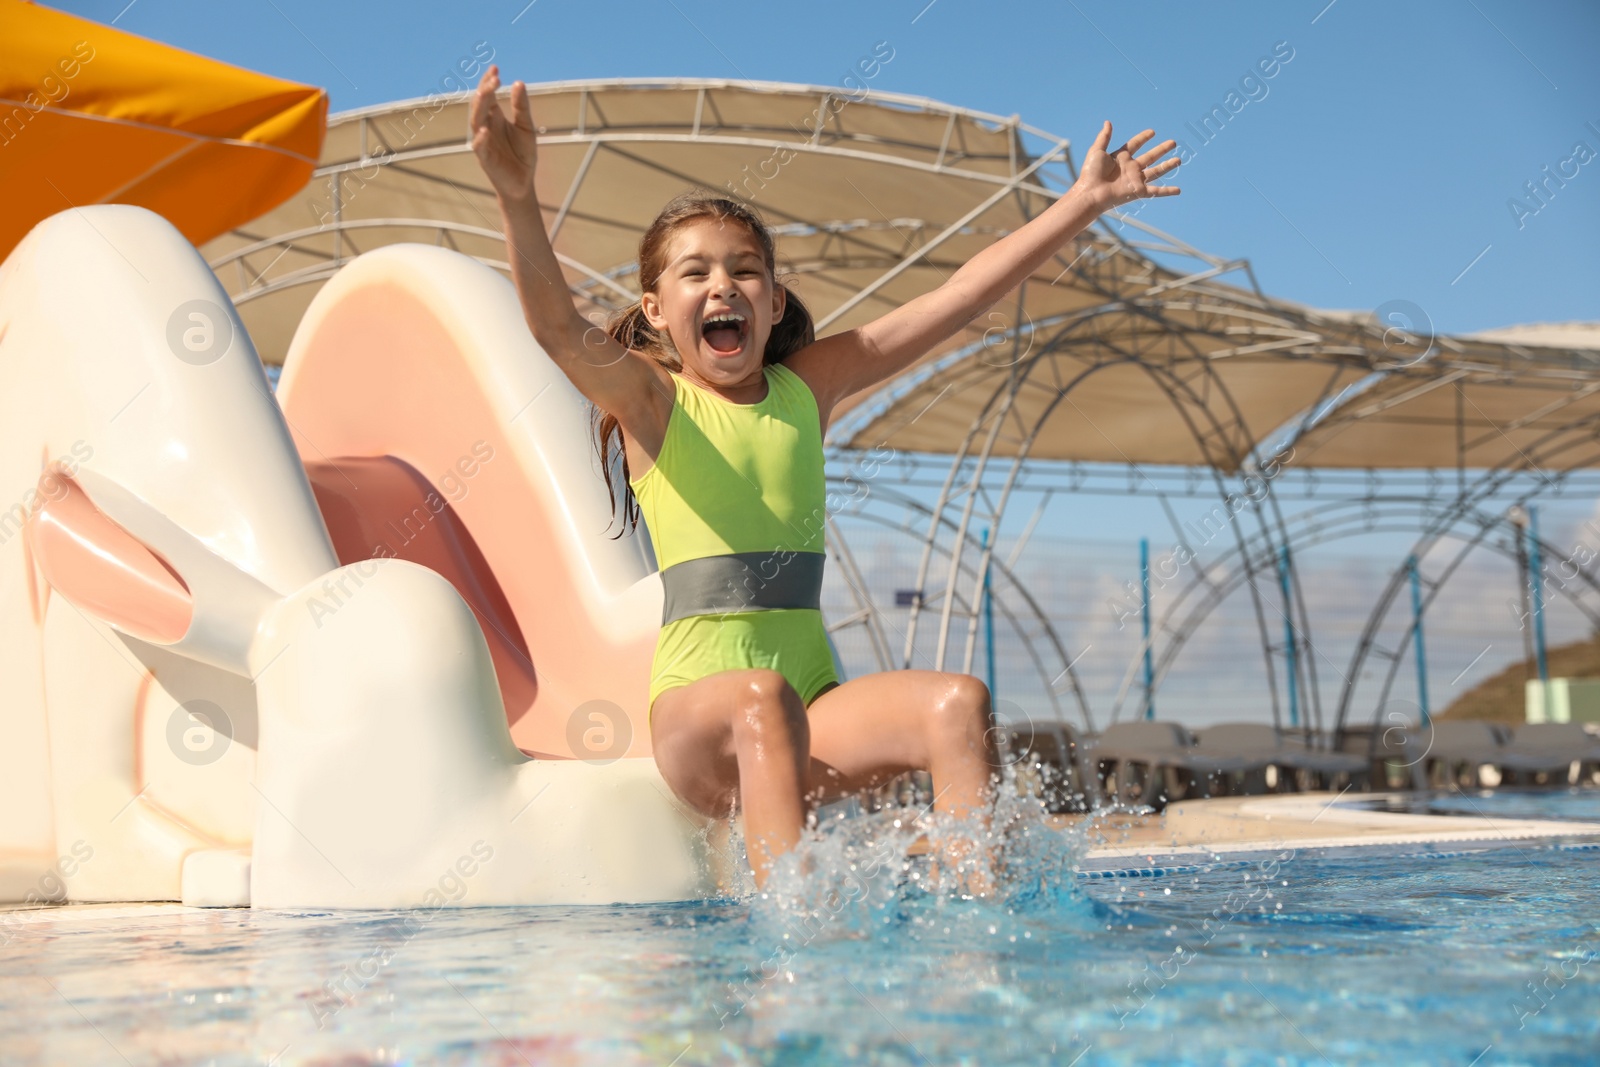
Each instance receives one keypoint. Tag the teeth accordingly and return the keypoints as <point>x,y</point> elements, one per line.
<point>726,316</point>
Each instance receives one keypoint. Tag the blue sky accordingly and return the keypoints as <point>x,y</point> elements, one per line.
<point>1377,166</point>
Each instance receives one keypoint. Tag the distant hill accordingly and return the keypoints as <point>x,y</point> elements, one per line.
<point>1501,698</point>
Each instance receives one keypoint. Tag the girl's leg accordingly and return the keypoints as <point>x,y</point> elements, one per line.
<point>738,735</point>
<point>872,728</point>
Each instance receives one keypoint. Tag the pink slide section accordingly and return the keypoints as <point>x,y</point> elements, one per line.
<point>113,574</point>
<point>433,429</point>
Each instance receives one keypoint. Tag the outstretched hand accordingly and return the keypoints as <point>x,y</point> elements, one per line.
<point>507,149</point>
<point>1116,178</point>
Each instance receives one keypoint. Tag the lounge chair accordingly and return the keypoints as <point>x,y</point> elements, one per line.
<point>1296,761</point>
<point>1391,749</point>
<point>1151,761</point>
<point>1548,748</point>
<point>1456,752</point>
<point>1255,741</point>
<point>1321,763</point>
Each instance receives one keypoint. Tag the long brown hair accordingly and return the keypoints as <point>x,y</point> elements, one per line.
<point>630,328</point>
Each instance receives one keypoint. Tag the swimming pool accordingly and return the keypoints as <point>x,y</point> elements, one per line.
<point>1562,805</point>
<point>1293,958</point>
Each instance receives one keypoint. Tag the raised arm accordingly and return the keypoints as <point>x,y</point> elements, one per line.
<point>627,384</point>
<point>837,366</point>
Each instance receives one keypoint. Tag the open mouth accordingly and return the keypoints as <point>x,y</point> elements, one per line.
<point>725,332</point>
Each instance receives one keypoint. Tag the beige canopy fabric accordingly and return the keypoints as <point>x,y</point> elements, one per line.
<point>1181,381</point>
<point>880,178</point>
<point>1126,347</point>
<point>1476,404</point>
<point>1565,335</point>
<point>875,200</point>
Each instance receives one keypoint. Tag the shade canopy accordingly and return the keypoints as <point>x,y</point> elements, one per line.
<point>874,199</point>
<point>1129,345</point>
<point>850,186</point>
<point>1487,401</point>
<point>92,115</point>
<point>1190,379</point>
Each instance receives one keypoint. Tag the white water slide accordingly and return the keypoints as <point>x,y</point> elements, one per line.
<point>367,643</point>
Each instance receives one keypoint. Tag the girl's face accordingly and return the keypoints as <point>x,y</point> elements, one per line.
<point>716,299</point>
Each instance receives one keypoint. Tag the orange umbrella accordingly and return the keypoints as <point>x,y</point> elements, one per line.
<point>93,115</point>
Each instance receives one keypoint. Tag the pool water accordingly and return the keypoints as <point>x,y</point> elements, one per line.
<point>1579,805</point>
<point>1469,957</point>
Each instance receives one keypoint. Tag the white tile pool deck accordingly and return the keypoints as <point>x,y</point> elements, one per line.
<point>1235,827</point>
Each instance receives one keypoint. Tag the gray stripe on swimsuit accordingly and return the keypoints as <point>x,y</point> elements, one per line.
<point>742,581</point>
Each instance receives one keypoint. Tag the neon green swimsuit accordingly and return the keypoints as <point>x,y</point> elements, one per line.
<point>740,478</point>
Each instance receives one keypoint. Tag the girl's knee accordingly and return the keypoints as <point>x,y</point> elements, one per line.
<point>967,695</point>
<point>767,708</point>
<point>964,707</point>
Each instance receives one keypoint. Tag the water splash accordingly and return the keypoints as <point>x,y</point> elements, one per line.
<point>904,879</point>
<point>854,873</point>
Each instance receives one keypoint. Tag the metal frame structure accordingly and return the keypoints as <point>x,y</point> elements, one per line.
<point>964,485</point>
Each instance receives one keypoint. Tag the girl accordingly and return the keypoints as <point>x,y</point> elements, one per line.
<point>721,394</point>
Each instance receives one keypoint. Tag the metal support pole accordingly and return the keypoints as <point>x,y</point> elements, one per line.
<point>1144,593</point>
<point>1526,616</point>
<point>1289,650</point>
<point>1416,621</point>
<point>1536,576</point>
<point>988,622</point>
